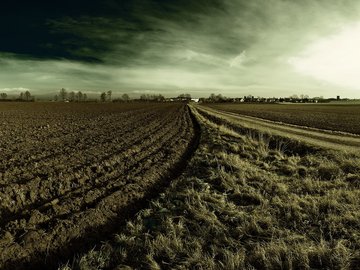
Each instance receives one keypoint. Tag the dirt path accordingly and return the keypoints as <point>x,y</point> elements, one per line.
<point>316,137</point>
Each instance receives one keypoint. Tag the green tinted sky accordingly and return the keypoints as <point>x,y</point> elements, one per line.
<point>266,48</point>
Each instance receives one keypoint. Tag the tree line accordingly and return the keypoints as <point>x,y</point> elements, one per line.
<point>213,98</point>
<point>71,96</point>
<point>23,96</point>
<point>107,97</point>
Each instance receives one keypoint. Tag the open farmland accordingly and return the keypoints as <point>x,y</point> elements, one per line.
<point>170,186</point>
<point>245,202</point>
<point>338,117</point>
<point>287,136</point>
<point>69,173</point>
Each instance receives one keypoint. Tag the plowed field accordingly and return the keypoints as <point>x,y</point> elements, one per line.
<point>328,116</point>
<point>250,198</point>
<point>69,173</point>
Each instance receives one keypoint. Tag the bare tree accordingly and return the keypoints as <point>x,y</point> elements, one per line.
<point>21,96</point>
<point>103,97</point>
<point>27,95</point>
<point>147,97</point>
<point>79,96</point>
<point>109,93</point>
<point>212,97</point>
<point>63,94</point>
<point>185,96</point>
<point>71,96</point>
<point>125,97</point>
<point>3,96</point>
<point>85,97</point>
<point>221,98</point>
<point>159,97</point>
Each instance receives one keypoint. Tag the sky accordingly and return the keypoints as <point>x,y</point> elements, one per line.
<point>232,47</point>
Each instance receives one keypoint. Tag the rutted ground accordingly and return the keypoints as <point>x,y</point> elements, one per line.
<point>69,172</point>
<point>244,204</point>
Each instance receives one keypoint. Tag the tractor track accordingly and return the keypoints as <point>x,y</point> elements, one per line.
<point>316,138</point>
<point>49,231</point>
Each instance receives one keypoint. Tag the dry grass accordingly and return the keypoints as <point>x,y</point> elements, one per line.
<point>244,204</point>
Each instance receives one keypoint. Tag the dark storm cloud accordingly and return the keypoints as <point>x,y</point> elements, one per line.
<point>127,33</point>
<point>87,30</point>
<point>29,28</point>
<point>233,46</point>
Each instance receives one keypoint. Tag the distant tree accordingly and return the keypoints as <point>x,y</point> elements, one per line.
<point>71,96</point>
<point>109,93</point>
<point>220,98</point>
<point>85,97</point>
<point>249,97</point>
<point>79,96</point>
<point>103,97</point>
<point>63,94</point>
<point>202,100</point>
<point>157,97</point>
<point>302,96</point>
<point>3,96</point>
<point>125,97</point>
<point>184,96</point>
<point>56,97</point>
<point>212,97</point>
<point>217,98</point>
<point>145,97</point>
<point>21,96</point>
<point>27,95</point>
<point>160,98</point>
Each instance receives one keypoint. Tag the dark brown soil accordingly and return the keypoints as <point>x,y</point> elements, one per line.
<point>337,117</point>
<point>72,173</point>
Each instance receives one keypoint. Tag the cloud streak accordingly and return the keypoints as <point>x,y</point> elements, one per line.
<point>233,47</point>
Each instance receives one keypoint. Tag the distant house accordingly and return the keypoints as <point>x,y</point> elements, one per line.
<point>195,100</point>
